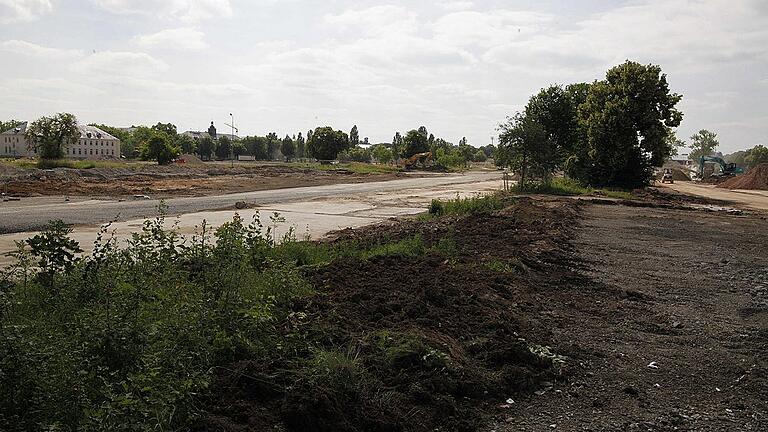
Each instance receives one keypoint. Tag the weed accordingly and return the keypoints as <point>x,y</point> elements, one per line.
<point>567,187</point>
<point>470,205</point>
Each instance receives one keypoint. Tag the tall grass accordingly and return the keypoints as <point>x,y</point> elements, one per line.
<point>469,205</point>
<point>567,187</point>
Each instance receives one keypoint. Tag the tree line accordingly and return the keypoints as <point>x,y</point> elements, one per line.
<point>610,132</point>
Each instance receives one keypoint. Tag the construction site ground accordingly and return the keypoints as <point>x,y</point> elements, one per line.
<point>648,317</point>
<point>753,199</point>
<point>214,178</point>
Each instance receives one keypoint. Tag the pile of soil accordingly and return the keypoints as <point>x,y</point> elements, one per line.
<point>429,342</point>
<point>755,179</point>
<point>190,159</point>
<point>677,175</point>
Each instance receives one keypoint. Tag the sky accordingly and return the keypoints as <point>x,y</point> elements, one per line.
<point>458,67</point>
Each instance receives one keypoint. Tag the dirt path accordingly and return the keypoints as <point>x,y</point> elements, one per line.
<point>753,199</point>
<point>671,335</point>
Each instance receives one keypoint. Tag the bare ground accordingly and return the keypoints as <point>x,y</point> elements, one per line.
<point>670,335</point>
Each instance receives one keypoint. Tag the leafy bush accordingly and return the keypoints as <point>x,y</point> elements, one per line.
<point>130,336</point>
<point>567,187</point>
<point>470,205</point>
<point>355,154</point>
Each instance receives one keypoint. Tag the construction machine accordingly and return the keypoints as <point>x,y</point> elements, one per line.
<point>419,159</point>
<point>667,177</point>
<point>726,169</point>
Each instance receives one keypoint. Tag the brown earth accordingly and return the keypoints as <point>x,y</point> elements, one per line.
<point>755,179</point>
<point>172,181</point>
<point>651,319</point>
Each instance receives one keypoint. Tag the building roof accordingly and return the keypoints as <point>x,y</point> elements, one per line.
<point>19,129</point>
<point>92,132</point>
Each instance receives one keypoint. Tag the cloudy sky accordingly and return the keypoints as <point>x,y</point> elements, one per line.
<point>458,67</point>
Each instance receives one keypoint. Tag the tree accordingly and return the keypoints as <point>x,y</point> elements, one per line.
<point>257,146</point>
<point>525,147</point>
<point>186,143</point>
<point>556,109</point>
<point>354,136</point>
<point>206,147</point>
<point>355,154</point>
<point>479,156</point>
<point>288,148</point>
<point>397,146</point>
<point>273,146</point>
<point>167,128</point>
<point>423,132</point>
<point>625,121</point>
<point>239,148</point>
<point>414,142</point>
<point>8,125</point>
<point>463,141</point>
<point>223,148</point>
<point>325,143</point>
<point>159,148</point>
<point>49,136</point>
<point>703,143</point>
<point>382,154</point>
<point>756,156</point>
<point>300,146</point>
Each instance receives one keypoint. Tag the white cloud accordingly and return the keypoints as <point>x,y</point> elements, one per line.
<point>23,10</point>
<point>120,63</point>
<point>29,49</point>
<point>456,5</point>
<point>189,11</point>
<point>183,38</point>
<point>376,20</point>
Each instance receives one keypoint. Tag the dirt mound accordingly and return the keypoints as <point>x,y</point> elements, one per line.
<point>680,175</point>
<point>755,178</point>
<point>413,343</point>
<point>190,159</point>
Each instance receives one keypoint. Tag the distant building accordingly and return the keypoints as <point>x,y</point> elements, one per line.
<point>94,143</point>
<point>197,135</point>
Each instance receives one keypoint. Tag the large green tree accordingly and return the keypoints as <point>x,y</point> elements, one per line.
<point>49,136</point>
<point>8,125</point>
<point>703,143</point>
<point>300,151</point>
<point>159,148</point>
<point>526,148</point>
<point>326,144</point>
<point>288,148</point>
<point>415,142</point>
<point>626,119</point>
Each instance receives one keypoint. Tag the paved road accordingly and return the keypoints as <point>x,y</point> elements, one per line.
<point>32,214</point>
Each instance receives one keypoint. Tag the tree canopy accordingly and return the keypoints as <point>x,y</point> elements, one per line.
<point>288,148</point>
<point>159,148</point>
<point>325,143</point>
<point>49,136</point>
<point>703,143</point>
<point>415,142</point>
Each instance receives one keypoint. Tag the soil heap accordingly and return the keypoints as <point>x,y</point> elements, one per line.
<point>756,178</point>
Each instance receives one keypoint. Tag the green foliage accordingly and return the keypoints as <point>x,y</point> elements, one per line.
<point>224,148</point>
<point>567,187</point>
<point>8,125</point>
<point>206,148</point>
<point>451,158</point>
<point>158,147</point>
<point>167,128</point>
<point>626,120</point>
<point>326,144</point>
<point>479,156</point>
<point>49,136</point>
<point>131,337</point>
<point>406,350</point>
<point>354,136</point>
<point>355,154</point>
<point>288,148</point>
<point>186,144</point>
<point>470,205</point>
<point>382,154</point>
<point>527,148</point>
<point>414,142</point>
<point>300,146</point>
<point>703,143</point>
<point>756,156</point>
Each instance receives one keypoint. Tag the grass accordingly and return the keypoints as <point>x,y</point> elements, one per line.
<point>568,187</point>
<point>355,167</point>
<point>464,206</point>
<point>65,163</point>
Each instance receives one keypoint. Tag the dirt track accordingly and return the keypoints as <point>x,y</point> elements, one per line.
<point>684,291</point>
<point>757,200</point>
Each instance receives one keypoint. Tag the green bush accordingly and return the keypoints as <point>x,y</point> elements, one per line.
<point>567,187</point>
<point>470,205</point>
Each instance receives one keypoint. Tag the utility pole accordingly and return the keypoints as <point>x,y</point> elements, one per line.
<point>231,124</point>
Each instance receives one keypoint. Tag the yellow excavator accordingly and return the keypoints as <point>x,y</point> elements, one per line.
<point>421,160</point>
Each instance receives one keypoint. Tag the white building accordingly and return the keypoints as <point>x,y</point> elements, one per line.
<point>94,143</point>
